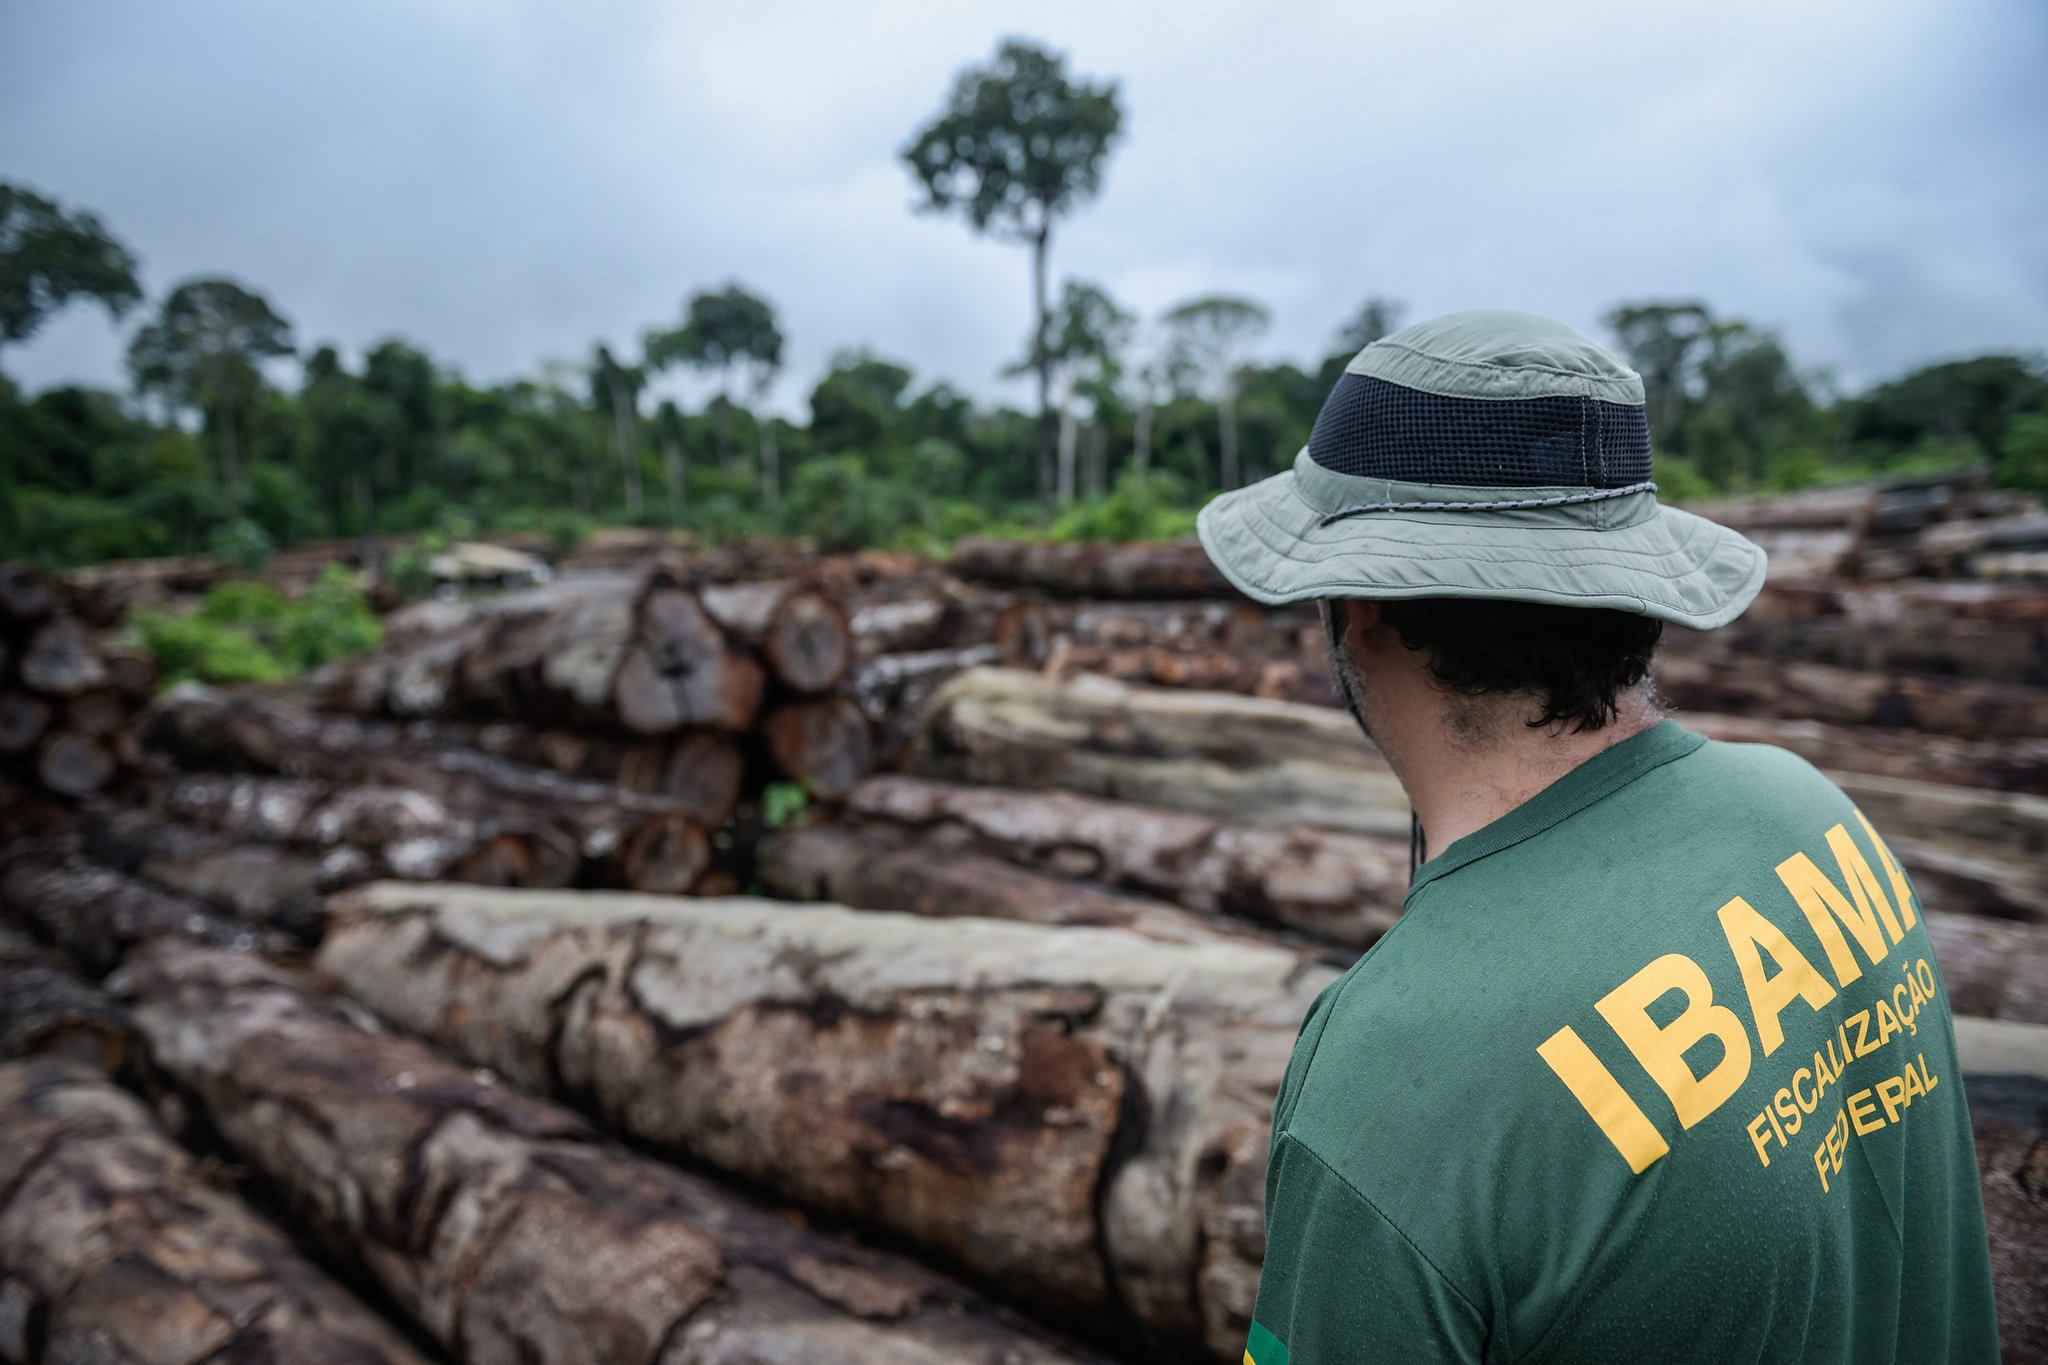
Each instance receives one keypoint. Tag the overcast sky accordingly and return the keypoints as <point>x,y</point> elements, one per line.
<point>505,182</point>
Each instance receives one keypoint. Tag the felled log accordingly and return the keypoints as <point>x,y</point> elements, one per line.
<point>504,1225</point>
<point>1272,763</point>
<point>117,1247</point>
<point>620,652</point>
<point>74,765</point>
<point>260,883</point>
<point>680,670</point>
<point>881,869</point>
<point>2019,765</point>
<point>412,835</point>
<point>95,915</point>
<point>1178,568</point>
<point>1993,969</point>
<point>822,742</point>
<point>1841,696</point>
<point>800,633</point>
<point>1079,1116</point>
<point>26,595</point>
<point>703,771</point>
<point>201,726</point>
<point>1986,631</point>
<point>2009,1116</point>
<point>1345,889</point>
<point>892,690</point>
<point>45,1008</point>
<point>1029,629</point>
<point>23,718</point>
<point>61,660</point>
<point>1281,679</point>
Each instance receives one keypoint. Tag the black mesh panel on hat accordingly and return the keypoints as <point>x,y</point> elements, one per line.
<point>1382,430</point>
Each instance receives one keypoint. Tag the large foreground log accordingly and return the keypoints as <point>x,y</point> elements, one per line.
<point>882,869</point>
<point>117,1247</point>
<point>503,1225</point>
<point>1345,889</point>
<point>1079,1116</point>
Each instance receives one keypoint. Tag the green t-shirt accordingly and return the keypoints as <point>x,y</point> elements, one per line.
<point>1657,1066</point>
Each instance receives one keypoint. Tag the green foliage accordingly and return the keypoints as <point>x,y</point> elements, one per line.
<point>1135,510</point>
<point>2023,454</point>
<point>248,632</point>
<point>50,256</point>
<point>785,805</point>
<point>241,543</point>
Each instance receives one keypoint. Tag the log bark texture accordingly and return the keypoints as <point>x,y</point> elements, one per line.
<point>260,883</point>
<point>824,743</point>
<point>800,633</point>
<point>1843,696</point>
<point>1079,1116</point>
<point>1277,764</point>
<point>44,1007</point>
<point>624,838</point>
<point>877,868</point>
<point>1993,969</point>
<point>508,1229</point>
<point>1344,889</point>
<point>95,915</point>
<point>117,1248</point>
<point>2019,765</point>
<point>1177,568</point>
<point>2010,1117</point>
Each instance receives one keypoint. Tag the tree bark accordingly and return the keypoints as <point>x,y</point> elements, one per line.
<point>1226,421</point>
<point>876,868</point>
<point>627,440</point>
<point>1067,447</point>
<point>1077,1115</point>
<point>504,1226</point>
<point>1276,764</point>
<point>74,765</point>
<point>1041,360</point>
<point>2019,765</point>
<point>2009,1118</point>
<point>1343,889</point>
<point>802,634</point>
<point>1840,696</point>
<point>1175,569</point>
<point>1993,969</point>
<point>62,660</point>
<point>702,771</point>
<point>824,743</point>
<point>95,915</point>
<point>220,730</point>
<point>675,472</point>
<point>45,1008</point>
<point>258,883</point>
<point>119,1248</point>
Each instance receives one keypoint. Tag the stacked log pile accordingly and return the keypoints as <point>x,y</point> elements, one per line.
<point>66,700</point>
<point>1033,962</point>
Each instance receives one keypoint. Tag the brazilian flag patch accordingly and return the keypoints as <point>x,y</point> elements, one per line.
<point>1264,1348</point>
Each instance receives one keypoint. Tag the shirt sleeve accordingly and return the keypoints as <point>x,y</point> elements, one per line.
<point>1341,1284</point>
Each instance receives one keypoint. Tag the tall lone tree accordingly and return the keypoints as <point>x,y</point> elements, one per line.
<point>49,256</point>
<point>1208,336</point>
<point>618,386</point>
<point>1086,336</point>
<point>1017,146</point>
<point>204,350</point>
<point>723,332</point>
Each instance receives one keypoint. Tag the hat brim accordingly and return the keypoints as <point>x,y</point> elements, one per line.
<point>1629,554</point>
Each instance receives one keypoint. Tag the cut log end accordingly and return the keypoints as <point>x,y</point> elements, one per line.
<point>824,744</point>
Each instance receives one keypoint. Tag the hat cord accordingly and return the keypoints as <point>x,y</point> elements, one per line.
<point>1507,505</point>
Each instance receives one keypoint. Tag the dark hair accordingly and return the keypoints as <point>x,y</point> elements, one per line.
<point>1578,659</point>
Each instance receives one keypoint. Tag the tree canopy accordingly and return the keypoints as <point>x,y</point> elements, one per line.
<point>204,350</point>
<point>50,256</point>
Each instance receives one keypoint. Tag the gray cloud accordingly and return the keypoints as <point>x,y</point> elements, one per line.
<point>505,181</point>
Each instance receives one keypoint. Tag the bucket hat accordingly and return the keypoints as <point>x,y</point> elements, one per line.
<point>1487,454</point>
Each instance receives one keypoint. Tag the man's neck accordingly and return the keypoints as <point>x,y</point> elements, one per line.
<point>1459,785</point>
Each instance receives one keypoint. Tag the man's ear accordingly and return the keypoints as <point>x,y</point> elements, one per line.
<point>1363,618</point>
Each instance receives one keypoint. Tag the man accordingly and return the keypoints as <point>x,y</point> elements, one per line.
<point>1657,1064</point>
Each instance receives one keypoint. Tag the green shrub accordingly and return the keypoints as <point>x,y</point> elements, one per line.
<point>248,632</point>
